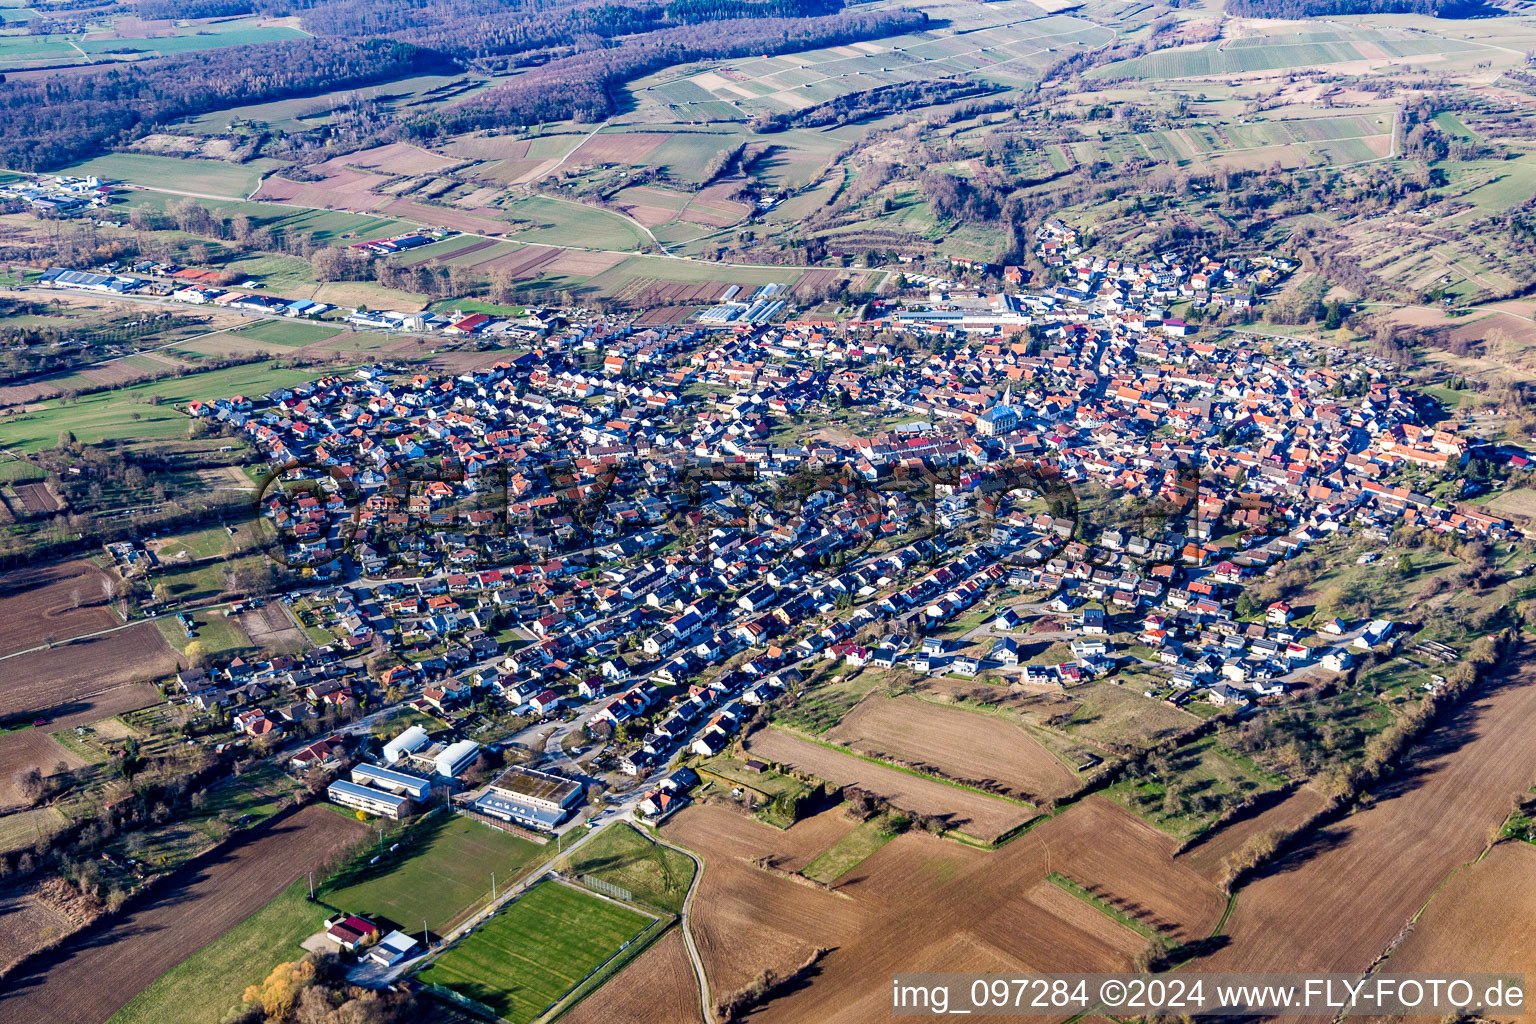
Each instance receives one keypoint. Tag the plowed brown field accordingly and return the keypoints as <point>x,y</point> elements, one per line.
<point>1375,868</point>
<point>976,814</point>
<point>658,988</point>
<point>29,748</point>
<point>980,750</point>
<point>1480,920</point>
<point>926,904</point>
<point>96,972</point>
<point>60,601</point>
<point>65,680</point>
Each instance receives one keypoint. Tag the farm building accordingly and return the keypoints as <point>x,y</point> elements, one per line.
<point>350,932</point>
<point>393,948</point>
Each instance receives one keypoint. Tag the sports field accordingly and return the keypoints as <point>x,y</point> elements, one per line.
<point>280,332</point>
<point>526,958</point>
<point>441,871</point>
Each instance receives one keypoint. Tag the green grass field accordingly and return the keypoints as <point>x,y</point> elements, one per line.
<point>288,332</point>
<point>25,828</point>
<point>205,986</point>
<point>442,871</point>
<point>850,851</point>
<point>217,634</point>
<point>526,958</point>
<point>235,33</point>
<point>17,471</point>
<point>127,414</point>
<point>620,855</point>
<point>561,223</point>
<point>211,177</point>
<point>1206,779</point>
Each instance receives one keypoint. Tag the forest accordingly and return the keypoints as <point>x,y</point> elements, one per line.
<point>575,55</point>
<point>1330,8</point>
<point>46,122</point>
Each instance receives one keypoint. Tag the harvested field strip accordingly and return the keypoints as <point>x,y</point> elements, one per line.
<point>849,852</point>
<point>521,263</point>
<point>99,970</point>
<point>1100,904</point>
<point>658,988</point>
<point>1377,867</point>
<point>460,253</point>
<point>983,751</point>
<point>979,815</point>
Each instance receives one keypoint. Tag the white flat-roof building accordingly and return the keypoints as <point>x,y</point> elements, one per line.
<point>393,948</point>
<point>529,798</point>
<point>408,741</point>
<point>457,757</point>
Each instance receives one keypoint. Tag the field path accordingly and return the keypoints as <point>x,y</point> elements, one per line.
<point>706,1005</point>
<point>1377,867</point>
<point>91,976</point>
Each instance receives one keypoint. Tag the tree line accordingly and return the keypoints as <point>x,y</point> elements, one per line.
<point>583,86</point>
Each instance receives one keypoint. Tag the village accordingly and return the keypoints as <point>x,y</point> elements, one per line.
<point>614,549</point>
<point>612,569</point>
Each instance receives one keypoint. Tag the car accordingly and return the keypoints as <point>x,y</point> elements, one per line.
<point>39,722</point>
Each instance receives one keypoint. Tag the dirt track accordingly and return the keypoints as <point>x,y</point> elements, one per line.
<point>91,976</point>
<point>1375,868</point>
